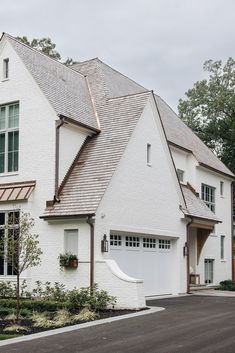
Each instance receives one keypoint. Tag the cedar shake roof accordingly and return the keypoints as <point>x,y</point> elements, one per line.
<point>197,207</point>
<point>95,95</point>
<point>65,88</point>
<point>98,160</point>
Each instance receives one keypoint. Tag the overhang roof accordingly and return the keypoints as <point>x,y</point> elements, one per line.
<point>16,191</point>
<point>197,207</point>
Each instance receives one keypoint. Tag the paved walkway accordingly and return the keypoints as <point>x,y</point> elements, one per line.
<point>213,292</point>
<point>190,324</point>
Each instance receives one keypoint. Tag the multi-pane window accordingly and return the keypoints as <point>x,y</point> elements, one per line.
<point>180,174</point>
<point>208,195</point>
<point>115,240</point>
<point>149,243</point>
<point>9,230</point>
<point>133,242</point>
<point>5,68</point>
<point>221,188</point>
<point>164,244</point>
<point>222,238</point>
<point>9,138</point>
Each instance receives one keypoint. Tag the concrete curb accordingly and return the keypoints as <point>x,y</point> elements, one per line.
<point>151,310</point>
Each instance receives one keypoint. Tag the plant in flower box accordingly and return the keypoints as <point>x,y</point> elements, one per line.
<point>68,260</point>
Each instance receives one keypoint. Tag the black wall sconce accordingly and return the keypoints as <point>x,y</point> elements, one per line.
<point>185,250</point>
<point>104,244</point>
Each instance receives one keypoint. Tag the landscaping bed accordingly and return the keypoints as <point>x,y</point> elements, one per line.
<point>50,306</point>
<point>26,326</point>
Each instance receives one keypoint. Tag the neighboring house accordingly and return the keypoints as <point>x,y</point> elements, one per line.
<point>100,161</point>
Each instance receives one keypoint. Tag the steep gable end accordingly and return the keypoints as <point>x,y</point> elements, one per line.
<point>65,89</point>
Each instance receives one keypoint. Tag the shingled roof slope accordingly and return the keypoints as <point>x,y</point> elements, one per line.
<point>65,88</point>
<point>176,130</point>
<point>96,164</point>
<point>180,134</point>
<point>197,207</point>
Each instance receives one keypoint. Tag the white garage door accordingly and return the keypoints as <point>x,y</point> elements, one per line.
<point>146,258</point>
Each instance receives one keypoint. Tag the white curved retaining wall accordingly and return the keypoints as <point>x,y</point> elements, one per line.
<point>128,291</point>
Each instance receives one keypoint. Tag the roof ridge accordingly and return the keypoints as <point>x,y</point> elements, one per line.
<point>40,53</point>
<point>85,61</point>
<point>120,73</point>
<point>130,95</point>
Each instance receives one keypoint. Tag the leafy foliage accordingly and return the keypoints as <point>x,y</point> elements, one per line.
<point>227,285</point>
<point>46,46</point>
<point>209,109</point>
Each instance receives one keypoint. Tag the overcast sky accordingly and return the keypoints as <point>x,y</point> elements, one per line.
<point>161,44</point>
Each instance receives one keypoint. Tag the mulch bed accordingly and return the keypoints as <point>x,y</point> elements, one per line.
<point>28,323</point>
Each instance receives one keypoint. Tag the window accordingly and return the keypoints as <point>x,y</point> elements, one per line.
<point>222,238</point>
<point>71,241</point>
<point>164,244</point>
<point>208,195</point>
<point>180,174</point>
<point>5,68</point>
<point>221,188</point>
<point>149,243</point>
<point>148,153</point>
<point>133,242</point>
<point>115,240</point>
<point>9,138</point>
<point>12,230</point>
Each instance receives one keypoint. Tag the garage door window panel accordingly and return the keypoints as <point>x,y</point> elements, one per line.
<point>164,244</point>
<point>149,243</point>
<point>132,242</point>
<point>115,241</point>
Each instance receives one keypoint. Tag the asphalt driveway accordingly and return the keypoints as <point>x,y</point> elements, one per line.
<point>189,324</point>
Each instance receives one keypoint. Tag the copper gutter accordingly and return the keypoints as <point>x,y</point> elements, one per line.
<point>91,222</point>
<point>57,154</point>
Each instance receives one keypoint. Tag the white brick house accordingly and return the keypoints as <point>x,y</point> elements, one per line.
<point>92,154</point>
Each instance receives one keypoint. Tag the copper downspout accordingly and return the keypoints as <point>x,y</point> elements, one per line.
<point>57,154</point>
<point>91,222</point>
<point>188,259</point>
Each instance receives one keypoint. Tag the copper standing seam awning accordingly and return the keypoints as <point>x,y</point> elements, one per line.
<point>16,191</point>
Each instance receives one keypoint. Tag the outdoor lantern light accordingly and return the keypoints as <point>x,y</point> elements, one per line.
<point>185,249</point>
<point>104,244</point>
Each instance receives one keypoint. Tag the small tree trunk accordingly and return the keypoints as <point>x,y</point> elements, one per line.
<point>18,297</point>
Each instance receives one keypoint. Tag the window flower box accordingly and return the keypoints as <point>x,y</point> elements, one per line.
<point>68,260</point>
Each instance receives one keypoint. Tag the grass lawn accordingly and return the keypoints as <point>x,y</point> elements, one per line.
<point>6,336</point>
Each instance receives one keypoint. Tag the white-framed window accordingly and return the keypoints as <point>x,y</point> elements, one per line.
<point>148,154</point>
<point>221,188</point>
<point>9,227</point>
<point>115,240</point>
<point>132,242</point>
<point>208,195</point>
<point>164,244</point>
<point>222,239</point>
<point>180,174</point>
<point>9,138</point>
<point>149,243</point>
<point>5,68</point>
<point>71,241</point>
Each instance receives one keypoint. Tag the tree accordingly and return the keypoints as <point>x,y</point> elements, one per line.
<point>20,247</point>
<point>210,109</point>
<point>46,46</point>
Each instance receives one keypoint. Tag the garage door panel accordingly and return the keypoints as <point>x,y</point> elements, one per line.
<point>147,258</point>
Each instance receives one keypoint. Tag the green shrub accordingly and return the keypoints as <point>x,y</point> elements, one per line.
<point>7,289</point>
<point>227,285</point>
<point>49,291</point>
<point>101,300</point>
<point>77,299</point>
<point>33,305</point>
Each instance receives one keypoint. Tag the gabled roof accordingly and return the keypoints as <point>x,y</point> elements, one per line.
<point>181,135</point>
<point>197,207</point>
<point>65,88</point>
<point>99,158</point>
